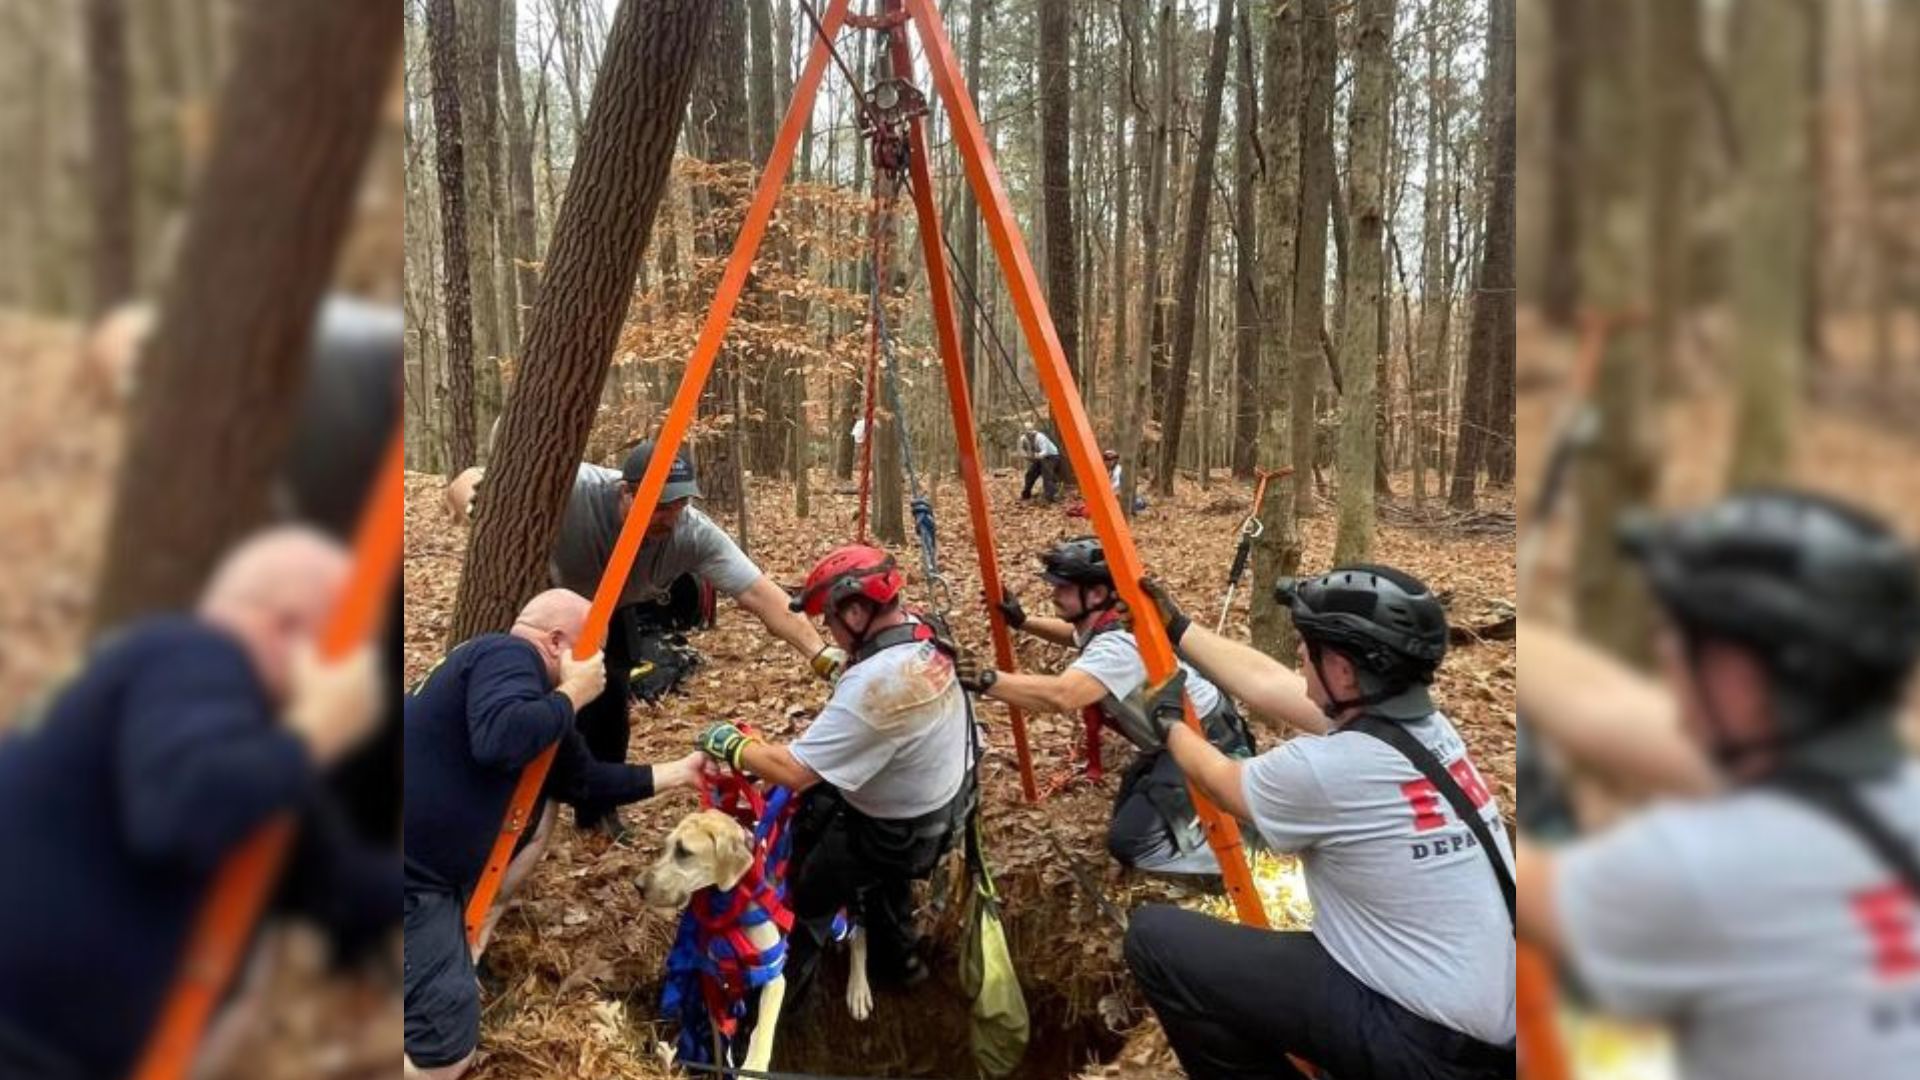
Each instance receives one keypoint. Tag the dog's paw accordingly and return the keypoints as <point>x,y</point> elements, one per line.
<point>859,1000</point>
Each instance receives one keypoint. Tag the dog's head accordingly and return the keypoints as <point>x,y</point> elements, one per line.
<point>706,848</point>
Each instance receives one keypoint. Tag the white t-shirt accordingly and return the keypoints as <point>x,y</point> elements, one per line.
<point>893,737</point>
<point>1774,939</point>
<point>1113,478</point>
<point>1403,896</point>
<point>591,525</point>
<point>1114,659</point>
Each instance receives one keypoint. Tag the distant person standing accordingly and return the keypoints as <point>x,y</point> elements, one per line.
<point>1043,464</point>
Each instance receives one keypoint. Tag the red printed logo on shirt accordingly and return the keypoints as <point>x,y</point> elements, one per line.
<point>1425,798</point>
<point>1891,917</point>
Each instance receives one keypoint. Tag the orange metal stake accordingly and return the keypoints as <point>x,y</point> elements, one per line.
<point>966,435</point>
<point>673,431</point>
<point>1223,835</point>
<point>240,890</point>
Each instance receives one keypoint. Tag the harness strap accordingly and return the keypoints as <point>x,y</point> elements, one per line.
<point>1424,760</point>
<point>1842,804</point>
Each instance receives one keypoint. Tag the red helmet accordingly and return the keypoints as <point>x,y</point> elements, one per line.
<point>1110,455</point>
<point>854,570</point>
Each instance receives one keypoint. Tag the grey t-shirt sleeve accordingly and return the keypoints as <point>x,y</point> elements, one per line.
<point>1631,921</point>
<point>717,559</point>
<point>1283,792</point>
<point>840,747</point>
<point>1114,660</point>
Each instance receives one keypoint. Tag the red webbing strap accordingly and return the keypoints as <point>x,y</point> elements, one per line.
<point>673,431</point>
<point>246,879</point>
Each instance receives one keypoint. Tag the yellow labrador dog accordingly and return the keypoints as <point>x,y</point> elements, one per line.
<point>709,848</point>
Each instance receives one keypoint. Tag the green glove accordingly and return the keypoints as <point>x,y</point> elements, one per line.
<point>724,743</point>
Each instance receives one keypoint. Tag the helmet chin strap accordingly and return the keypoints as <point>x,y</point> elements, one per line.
<point>1735,755</point>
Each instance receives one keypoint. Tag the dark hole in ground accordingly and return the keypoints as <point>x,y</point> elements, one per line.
<point>924,1031</point>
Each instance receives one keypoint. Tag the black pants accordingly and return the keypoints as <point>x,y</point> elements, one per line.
<point>1047,471</point>
<point>844,859</point>
<point>1236,1000</point>
<point>603,722</point>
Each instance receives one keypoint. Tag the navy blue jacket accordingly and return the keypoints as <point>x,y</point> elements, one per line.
<point>118,802</point>
<point>472,725</point>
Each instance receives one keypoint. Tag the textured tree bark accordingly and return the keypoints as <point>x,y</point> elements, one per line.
<point>619,177</point>
<point>1153,205</point>
<point>978,14</point>
<point>1056,96</point>
<point>1127,90</point>
<point>1769,239</point>
<point>1293,112</point>
<point>1610,604</point>
<point>1199,202</point>
<point>228,352</point>
<point>1568,45</point>
<point>111,158</point>
<point>1246,301</point>
<point>479,45</point>
<point>723,137</point>
<point>443,47</point>
<point>526,241</point>
<point>1360,344</point>
<point>1497,280</point>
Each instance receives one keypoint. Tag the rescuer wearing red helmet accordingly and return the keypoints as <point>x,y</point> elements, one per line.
<point>884,771</point>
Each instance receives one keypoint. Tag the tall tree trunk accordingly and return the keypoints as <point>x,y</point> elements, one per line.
<point>111,157</point>
<point>1246,301</point>
<point>1769,238</point>
<point>1360,345</point>
<point>1434,301</point>
<point>1497,280</point>
<point>443,32</point>
<point>526,243</point>
<point>1477,423</point>
<point>478,45</point>
<point>978,12</point>
<point>1153,205</point>
<point>1619,476</point>
<point>619,176</point>
<point>1290,95</point>
<point>1569,45</point>
<point>721,105</point>
<point>1127,91</point>
<point>1056,97</point>
<point>1199,201</point>
<point>229,350</point>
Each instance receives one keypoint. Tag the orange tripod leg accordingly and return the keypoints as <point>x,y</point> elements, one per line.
<point>965,433</point>
<point>1223,835</point>
<point>673,431</point>
<point>1542,1057</point>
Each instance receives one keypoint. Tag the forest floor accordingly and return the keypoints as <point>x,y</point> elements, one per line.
<point>577,965</point>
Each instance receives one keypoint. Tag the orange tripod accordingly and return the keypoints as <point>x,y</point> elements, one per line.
<point>901,140</point>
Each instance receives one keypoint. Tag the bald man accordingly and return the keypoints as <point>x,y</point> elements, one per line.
<point>121,796</point>
<point>477,719</point>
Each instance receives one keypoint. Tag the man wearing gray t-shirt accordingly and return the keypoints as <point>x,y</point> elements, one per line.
<point>680,541</point>
<point>1409,968</point>
<point>1769,907</point>
<point>1154,825</point>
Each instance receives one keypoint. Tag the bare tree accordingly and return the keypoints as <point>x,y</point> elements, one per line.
<point>619,177</point>
<point>457,287</point>
<point>1056,98</point>
<point>111,161</point>
<point>1360,342</point>
<point>1199,201</point>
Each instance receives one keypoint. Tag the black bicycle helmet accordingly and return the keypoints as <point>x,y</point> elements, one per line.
<point>1822,592</point>
<point>1078,561</point>
<point>1825,596</point>
<point>1387,622</point>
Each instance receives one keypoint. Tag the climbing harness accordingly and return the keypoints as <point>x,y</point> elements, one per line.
<point>239,892</point>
